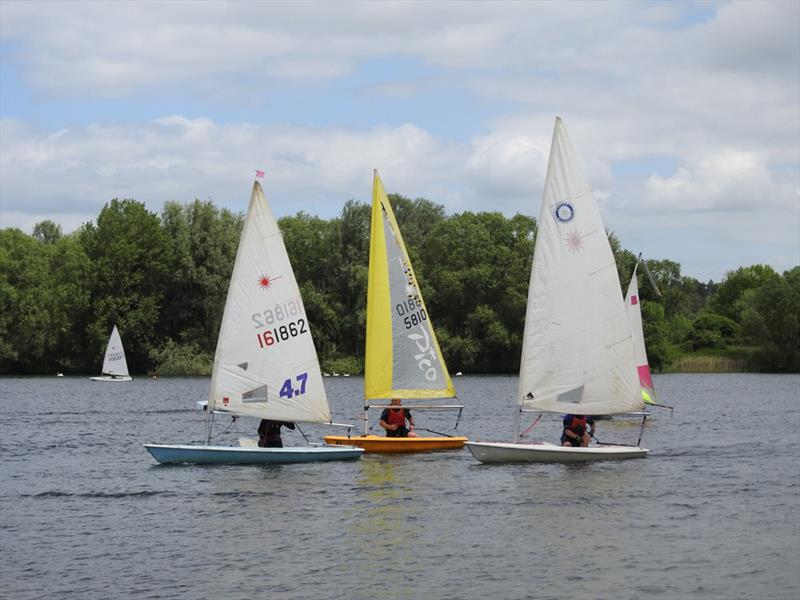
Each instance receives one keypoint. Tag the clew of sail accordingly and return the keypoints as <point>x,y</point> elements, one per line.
<point>403,358</point>
<point>114,362</point>
<point>577,353</point>
<point>265,364</point>
<point>634,312</point>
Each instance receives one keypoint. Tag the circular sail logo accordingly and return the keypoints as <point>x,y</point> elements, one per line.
<point>265,281</point>
<point>564,212</point>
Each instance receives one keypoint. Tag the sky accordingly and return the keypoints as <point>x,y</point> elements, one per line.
<point>686,115</point>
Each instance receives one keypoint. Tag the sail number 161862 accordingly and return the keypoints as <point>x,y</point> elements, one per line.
<point>270,337</point>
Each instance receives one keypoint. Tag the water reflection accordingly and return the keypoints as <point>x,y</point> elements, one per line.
<point>384,515</point>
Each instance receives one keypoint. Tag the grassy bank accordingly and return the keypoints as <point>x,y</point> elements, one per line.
<point>725,360</point>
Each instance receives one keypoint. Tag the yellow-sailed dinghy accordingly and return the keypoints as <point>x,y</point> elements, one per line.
<point>403,359</point>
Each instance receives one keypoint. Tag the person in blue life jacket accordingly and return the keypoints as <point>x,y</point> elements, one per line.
<point>575,431</point>
<point>393,420</point>
<point>269,433</point>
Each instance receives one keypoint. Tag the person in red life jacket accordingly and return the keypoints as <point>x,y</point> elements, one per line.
<point>393,420</point>
<point>269,433</point>
<point>575,433</point>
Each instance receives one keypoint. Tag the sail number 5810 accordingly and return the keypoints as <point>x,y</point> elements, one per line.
<point>412,312</point>
<point>270,337</point>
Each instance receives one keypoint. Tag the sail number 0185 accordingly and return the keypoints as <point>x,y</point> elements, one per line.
<point>412,312</point>
<point>270,337</point>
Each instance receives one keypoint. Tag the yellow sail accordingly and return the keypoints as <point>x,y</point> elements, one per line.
<point>403,359</point>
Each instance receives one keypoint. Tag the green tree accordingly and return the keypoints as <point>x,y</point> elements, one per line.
<point>313,247</point>
<point>349,275</point>
<point>416,219</point>
<point>727,299</point>
<point>656,335</point>
<point>47,232</point>
<point>43,303</point>
<point>476,261</point>
<point>131,257</point>
<point>203,243</point>
<point>771,318</point>
<point>710,330</point>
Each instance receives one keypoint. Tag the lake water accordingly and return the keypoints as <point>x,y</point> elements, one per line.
<point>85,512</point>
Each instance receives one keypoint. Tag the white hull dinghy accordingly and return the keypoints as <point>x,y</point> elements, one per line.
<point>248,455</point>
<point>545,452</point>
<point>577,349</point>
<point>265,364</point>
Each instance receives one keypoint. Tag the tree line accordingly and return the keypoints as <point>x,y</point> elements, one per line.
<point>163,278</point>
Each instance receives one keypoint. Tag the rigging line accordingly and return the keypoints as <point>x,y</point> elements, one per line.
<point>436,432</point>
<point>535,421</point>
<point>605,443</point>
<point>641,431</point>
<point>234,419</point>
<point>302,433</point>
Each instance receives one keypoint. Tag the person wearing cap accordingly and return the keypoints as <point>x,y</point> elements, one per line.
<point>393,420</point>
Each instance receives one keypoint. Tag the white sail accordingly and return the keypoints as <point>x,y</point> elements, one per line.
<point>114,363</point>
<point>265,363</point>
<point>634,311</point>
<point>577,354</point>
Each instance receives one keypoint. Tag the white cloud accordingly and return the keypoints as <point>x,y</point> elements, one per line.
<point>729,180</point>
<point>175,158</point>
<point>711,87</point>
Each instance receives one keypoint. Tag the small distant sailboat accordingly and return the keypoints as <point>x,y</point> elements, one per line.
<point>265,364</point>
<point>578,351</point>
<point>634,312</point>
<point>115,367</point>
<point>403,359</point>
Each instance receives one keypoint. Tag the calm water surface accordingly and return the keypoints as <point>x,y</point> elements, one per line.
<point>85,512</point>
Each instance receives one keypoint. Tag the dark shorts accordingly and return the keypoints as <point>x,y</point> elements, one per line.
<point>270,443</point>
<point>573,442</point>
<point>399,432</point>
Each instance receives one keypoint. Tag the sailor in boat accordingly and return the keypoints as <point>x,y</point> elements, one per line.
<point>269,433</point>
<point>575,433</point>
<point>393,420</point>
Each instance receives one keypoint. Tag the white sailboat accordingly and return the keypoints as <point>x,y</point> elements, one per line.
<point>633,309</point>
<point>403,359</point>
<point>265,364</point>
<point>115,367</point>
<point>577,353</point>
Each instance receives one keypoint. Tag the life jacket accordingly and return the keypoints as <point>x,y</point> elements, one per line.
<point>397,417</point>
<point>577,424</point>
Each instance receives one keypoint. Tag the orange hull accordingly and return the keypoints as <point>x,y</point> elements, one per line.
<point>379,444</point>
